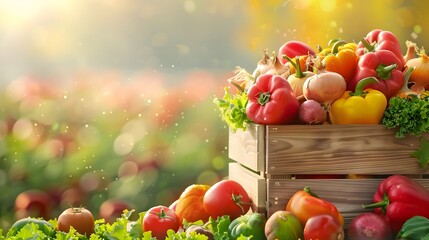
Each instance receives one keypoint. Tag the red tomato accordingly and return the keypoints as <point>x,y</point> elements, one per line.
<point>293,49</point>
<point>226,197</point>
<point>79,218</point>
<point>324,227</point>
<point>159,219</point>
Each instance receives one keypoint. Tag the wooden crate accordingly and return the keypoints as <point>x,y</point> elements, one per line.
<point>266,159</point>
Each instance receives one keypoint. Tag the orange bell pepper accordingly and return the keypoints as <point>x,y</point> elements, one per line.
<point>341,58</point>
<point>305,204</point>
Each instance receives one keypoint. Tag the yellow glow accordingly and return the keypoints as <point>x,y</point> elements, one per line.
<point>327,5</point>
<point>22,12</point>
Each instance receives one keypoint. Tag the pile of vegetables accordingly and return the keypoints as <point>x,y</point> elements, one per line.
<point>369,82</point>
<point>222,212</point>
<point>352,83</point>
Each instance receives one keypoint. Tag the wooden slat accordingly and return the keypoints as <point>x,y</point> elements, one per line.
<point>347,195</point>
<point>248,147</point>
<point>254,184</point>
<point>339,149</point>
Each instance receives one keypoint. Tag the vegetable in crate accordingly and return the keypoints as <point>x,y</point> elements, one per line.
<point>408,115</point>
<point>271,101</point>
<point>325,87</point>
<point>420,75</point>
<point>400,198</point>
<point>415,228</point>
<point>377,40</point>
<point>384,66</point>
<point>294,49</point>
<point>341,58</point>
<point>283,225</point>
<point>252,224</point>
<point>305,204</point>
<point>363,106</point>
<point>297,80</point>
<point>233,109</point>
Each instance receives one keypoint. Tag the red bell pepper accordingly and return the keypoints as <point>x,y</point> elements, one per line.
<point>400,198</point>
<point>384,66</point>
<point>377,40</point>
<point>271,101</point>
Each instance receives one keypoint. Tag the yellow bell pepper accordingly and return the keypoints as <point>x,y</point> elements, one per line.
<point>363,106</point>
<point>341,58</point>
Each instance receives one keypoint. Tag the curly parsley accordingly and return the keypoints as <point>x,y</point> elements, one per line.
<point>409,115</point>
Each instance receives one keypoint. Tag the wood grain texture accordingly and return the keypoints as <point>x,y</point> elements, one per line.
<point>339,149</point>
<point>254,184</point>
<point>248,147</point>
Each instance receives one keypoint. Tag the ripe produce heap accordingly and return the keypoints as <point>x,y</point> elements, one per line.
<point>369,82</point>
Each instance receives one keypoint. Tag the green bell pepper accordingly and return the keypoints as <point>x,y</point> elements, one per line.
<point>252,224</point>
<point>415,228</point>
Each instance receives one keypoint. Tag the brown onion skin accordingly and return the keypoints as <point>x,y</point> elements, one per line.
<point>369,226</point>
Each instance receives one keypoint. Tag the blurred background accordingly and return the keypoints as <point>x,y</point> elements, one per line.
<point>111,101</point>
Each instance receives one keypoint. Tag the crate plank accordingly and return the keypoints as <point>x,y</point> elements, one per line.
<point>339,149</point>
<point>248,147</point>
<point>254,184</point>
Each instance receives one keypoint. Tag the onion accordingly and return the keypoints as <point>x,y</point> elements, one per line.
<point>325,87</point>
<point>369,225</point>
<point>420,74</point>
<point>411,50</point>
<point>311,112</point>
<point>271,65</point>
<point>297,80</point>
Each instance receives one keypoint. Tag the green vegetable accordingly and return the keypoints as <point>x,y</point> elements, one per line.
<point>31,226</point>
<point>409,115</point>
<point>252,224</point>
<point>415,228</point>
<point>422,154</point>
<point>233,109</point>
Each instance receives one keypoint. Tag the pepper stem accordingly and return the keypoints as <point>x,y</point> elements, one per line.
<point>309,191</point>
<point>264,97</point>
<point>360,87</point>
<point>381,204</point>
<point>385,72</point>
<point>337,45</point>
<point>369,47</point>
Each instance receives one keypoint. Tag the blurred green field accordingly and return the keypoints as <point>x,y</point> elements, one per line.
<point>99,137</point>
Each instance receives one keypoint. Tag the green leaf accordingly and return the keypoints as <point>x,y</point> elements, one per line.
<point>407,115</point>
<point>422,154</point>
<point>220,227</point>
<point>233,109</point>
